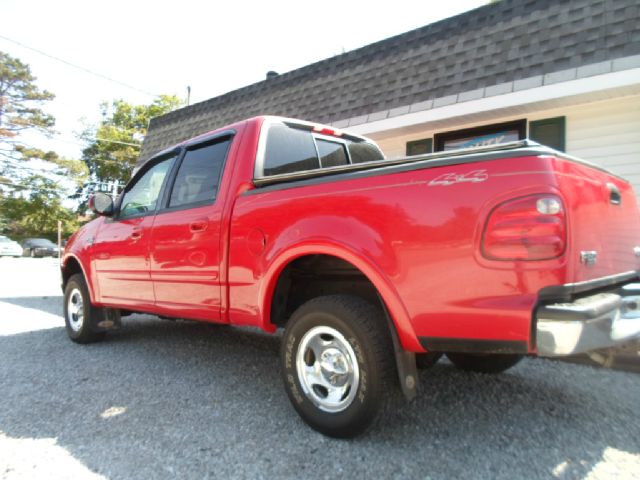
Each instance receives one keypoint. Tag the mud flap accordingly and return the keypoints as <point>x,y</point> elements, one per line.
<point>107,319</point>
<point>405,361</point>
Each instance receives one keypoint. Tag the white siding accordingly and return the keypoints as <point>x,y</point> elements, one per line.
<point>606,133</point>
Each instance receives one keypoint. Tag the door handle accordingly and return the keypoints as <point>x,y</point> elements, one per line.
<point>136,235</point>
<point>199,225</point>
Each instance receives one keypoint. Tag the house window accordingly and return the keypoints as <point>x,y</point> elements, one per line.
<point>419,147</point>
<point>481,136</point>
<point>549,132</point>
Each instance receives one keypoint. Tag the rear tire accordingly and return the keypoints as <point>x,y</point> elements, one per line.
<point>484,363</point>
<point>80,317</point>
<point>338,365</point>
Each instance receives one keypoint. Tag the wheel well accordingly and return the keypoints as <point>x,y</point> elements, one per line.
<point>71,267</point>
<point>317,275</point>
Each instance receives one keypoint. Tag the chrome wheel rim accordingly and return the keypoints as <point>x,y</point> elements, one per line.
<point>327,369</point>
<point>75,310</point>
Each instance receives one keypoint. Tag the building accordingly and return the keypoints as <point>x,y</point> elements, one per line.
<point>564,73</point>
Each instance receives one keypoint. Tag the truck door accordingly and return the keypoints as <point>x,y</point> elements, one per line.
<point>121,245</point>
<point>185,242</point>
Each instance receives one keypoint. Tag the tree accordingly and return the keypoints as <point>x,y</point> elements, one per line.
<point>114,144</point>
<point>36,212</point>
<point>31,195</point>
<point>20,107</point>
<point>21,103</point>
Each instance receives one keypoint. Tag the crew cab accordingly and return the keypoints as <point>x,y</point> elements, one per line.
<point>370,265</point>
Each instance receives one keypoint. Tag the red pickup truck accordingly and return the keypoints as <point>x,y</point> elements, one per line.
<point>370,265</point>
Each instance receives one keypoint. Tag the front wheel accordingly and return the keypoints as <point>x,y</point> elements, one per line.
<point>80,317</point>
<point>337,363</point>
<point>484,363</point>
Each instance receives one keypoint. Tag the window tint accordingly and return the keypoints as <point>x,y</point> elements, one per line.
<point>332,154</point>
<point>142,197</point>
<point>364,152</point>
<point>199,174</point>
<point>289,150</point>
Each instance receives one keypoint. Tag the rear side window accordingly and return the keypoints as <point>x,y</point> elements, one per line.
<point>289,150</point>
<point>198,177</point>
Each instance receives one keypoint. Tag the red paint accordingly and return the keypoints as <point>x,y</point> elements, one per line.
<point>416,235</point>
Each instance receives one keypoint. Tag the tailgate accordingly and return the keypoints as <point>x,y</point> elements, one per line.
<point>604,222</point>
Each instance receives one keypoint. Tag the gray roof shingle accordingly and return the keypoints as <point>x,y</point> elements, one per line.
<point>502,42</point>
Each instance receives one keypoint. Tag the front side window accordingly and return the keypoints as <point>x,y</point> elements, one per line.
<point>141,198</point>
<point>199,175</point>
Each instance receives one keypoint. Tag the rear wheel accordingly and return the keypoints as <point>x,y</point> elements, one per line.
<point>484,363</point>
<point>338,365</point>
<point>81,318</point>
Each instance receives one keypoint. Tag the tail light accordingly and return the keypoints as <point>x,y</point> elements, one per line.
<point>526,228</point>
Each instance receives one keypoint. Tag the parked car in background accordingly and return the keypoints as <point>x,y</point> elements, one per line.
<point>9,248</point>
<point>39,247</point>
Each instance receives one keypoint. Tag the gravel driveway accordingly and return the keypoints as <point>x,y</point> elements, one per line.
<point>164,399</point>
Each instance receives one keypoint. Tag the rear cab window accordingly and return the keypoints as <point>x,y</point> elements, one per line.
<point>291,148</point>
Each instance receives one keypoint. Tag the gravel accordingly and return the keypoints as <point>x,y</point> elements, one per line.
<point>162,399</point>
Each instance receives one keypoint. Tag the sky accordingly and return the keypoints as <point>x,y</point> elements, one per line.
<point>162,47</point>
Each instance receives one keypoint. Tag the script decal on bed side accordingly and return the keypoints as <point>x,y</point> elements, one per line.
<point>452,178</point>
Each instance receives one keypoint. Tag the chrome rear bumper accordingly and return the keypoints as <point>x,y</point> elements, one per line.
<point>589,323</point>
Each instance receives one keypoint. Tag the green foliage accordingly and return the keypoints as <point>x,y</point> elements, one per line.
<point>20,105</point>
<point>20,111</point>
<point>36,212</point>
<point>30,196</point>
<point>114,144</point>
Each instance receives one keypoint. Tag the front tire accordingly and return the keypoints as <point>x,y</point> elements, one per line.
<point>484,363</point>
<point>337,364</point>
<point>80,317</point>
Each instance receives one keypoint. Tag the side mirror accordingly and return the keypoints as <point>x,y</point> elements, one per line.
<point>102,204</point>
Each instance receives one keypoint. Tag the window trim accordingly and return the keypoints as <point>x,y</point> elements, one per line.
<point>175,153</point>
<point>520,125</point>
<point>200,143</point>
